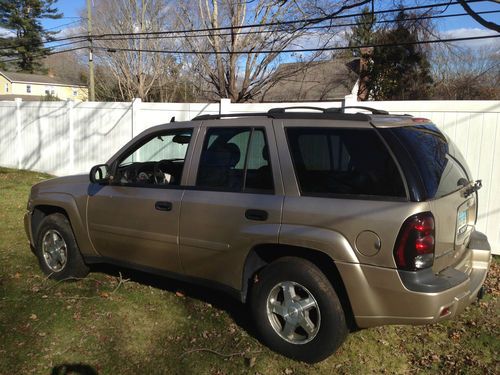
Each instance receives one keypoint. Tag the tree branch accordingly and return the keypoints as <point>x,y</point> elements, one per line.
<point>479,19</point>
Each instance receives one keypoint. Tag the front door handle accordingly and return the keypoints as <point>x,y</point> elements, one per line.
<point>259,215</point>
<point>163,206</point>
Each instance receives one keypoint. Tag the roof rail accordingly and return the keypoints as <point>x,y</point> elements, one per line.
<point>283,112</point>
<point>342,109</point>
<point>283,109</point>
<point>219,116</point>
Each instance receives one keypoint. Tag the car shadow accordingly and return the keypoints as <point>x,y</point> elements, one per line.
<point>238,311</point>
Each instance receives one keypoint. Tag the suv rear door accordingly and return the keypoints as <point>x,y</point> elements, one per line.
<point>444,177</point>
<point>235,200</point>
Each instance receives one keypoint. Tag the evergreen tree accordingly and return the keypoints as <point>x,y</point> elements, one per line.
<point>396,72</point>
<point>363,32</point>
<point>23,17</point>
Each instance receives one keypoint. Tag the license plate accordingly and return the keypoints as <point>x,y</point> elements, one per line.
<point>461,222</point>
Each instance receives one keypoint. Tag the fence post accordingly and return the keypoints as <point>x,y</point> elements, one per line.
<point>350,100</point>
<point>136,103</point>
<point>71,168</point>
<point>224,106</point>
<point>19,141</point>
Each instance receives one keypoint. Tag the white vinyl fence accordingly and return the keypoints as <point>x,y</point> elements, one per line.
<point>65,138</point>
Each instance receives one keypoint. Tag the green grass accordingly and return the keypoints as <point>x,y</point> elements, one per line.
<point>159,326</point>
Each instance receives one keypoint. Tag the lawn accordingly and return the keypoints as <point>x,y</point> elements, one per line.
<point>123,322</point>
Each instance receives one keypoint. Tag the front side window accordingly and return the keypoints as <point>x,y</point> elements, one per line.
<point>343,162</point>
<point>235,159</point>
<point>159,160</point>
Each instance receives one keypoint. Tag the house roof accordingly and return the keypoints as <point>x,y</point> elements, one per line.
<point>320,80</point>
<point>37,78</point>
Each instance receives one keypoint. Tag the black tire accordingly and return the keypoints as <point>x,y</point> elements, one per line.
<point>74,266</point>
<point>332,329</point>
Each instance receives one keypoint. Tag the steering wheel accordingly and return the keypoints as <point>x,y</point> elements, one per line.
<point>160,168</point>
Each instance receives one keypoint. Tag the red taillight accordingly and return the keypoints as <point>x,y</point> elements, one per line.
<point>415,244</point>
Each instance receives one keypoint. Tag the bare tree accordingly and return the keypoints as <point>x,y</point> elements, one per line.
<point>466,73</point>
<point>233,65</point>
<point>136,73</point>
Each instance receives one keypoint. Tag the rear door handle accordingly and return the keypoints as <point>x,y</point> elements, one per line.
<point>259,215</point>
<point>163,206</point>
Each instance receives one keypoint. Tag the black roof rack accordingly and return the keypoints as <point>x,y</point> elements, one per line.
<point>218,117</point>
<point>372,110</point>
<point>324,113</point>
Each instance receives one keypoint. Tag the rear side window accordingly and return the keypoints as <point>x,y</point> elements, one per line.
<point>343,162</point>
<point>235,159</point>
<point>441,166</point>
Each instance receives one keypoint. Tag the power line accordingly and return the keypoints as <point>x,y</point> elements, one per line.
<point>45,54</point>
<point>64,24</point>
<point>322,49</point>
<point>280,23</point>
<point>133,37</point>
<point>156,34</point>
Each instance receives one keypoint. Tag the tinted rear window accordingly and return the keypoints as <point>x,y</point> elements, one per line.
<point>440,164</point>
<point>343,162</point>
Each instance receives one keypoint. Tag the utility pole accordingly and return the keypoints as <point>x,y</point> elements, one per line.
<point>91,58</point>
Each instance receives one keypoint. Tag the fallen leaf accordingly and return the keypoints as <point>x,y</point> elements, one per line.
<point>33,317</point>
<point>251,362</point>
<point>179,294</point>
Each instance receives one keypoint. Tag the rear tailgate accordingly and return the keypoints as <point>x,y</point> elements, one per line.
<point>445,182</point>
<point>454,216</point>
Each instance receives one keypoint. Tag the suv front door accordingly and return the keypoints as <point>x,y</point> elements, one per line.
<point>235,202</point>
<point>135,218</point>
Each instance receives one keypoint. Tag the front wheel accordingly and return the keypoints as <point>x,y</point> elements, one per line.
<point>57,250</point>
<point>296,310</point>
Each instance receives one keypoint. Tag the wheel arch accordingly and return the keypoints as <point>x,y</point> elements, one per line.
<point>262,255</point>
<point>40,212</point>
<point>63,203</point>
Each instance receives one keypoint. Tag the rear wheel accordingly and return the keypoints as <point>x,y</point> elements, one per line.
<point>57,251</point>
<point>296,310</point>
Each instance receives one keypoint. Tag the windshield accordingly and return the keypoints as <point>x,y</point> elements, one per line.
<point>442,167</point>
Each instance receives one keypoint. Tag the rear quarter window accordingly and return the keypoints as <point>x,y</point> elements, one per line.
<point>343,162</point>
<point>441,167</point>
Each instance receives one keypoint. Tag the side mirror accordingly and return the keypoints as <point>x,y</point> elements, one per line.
<point>99,174</point>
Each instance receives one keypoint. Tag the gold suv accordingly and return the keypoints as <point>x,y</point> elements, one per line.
<point>322,221</point>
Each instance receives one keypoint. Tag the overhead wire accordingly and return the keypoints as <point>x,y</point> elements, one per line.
<point>133,37</point>
<point>161,34</point>
<point>276,23</point>
<point>306,21</point>
<point>319,49</point>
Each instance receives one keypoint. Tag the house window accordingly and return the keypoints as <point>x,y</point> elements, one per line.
<point>49,90</point>
<point>6,87</point>
<point>28,89</point>
<point>75,92</point>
